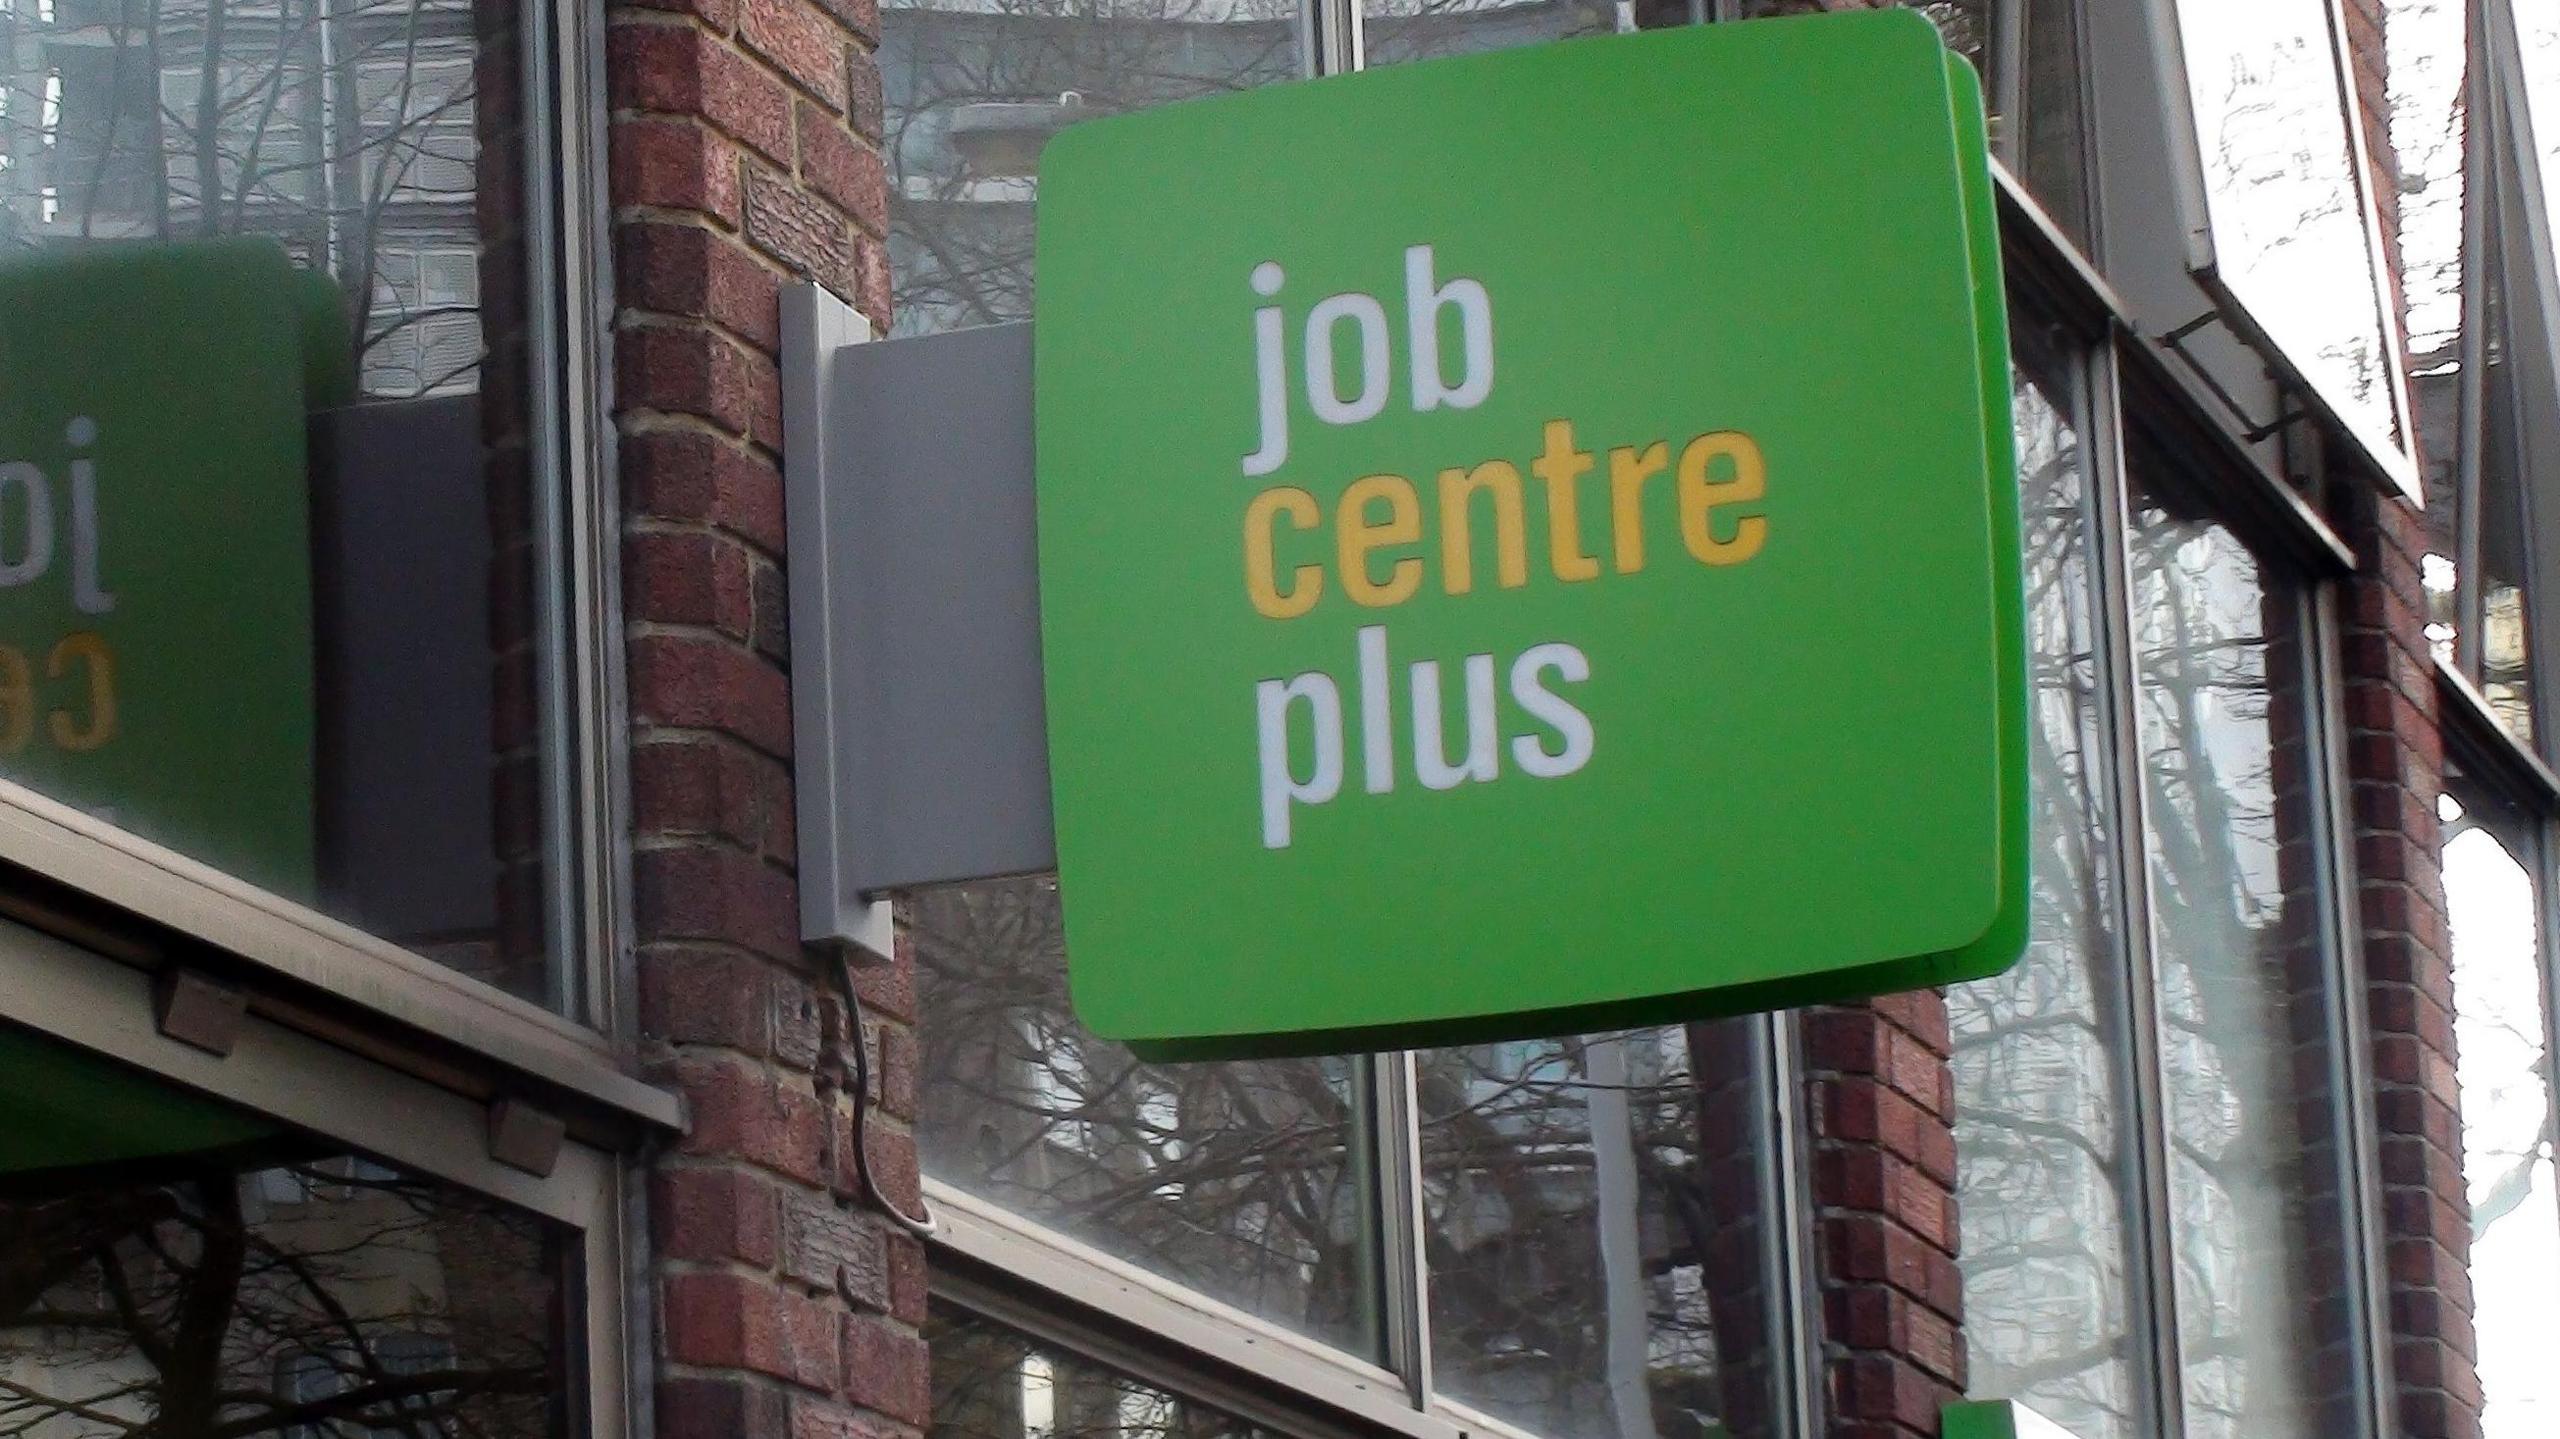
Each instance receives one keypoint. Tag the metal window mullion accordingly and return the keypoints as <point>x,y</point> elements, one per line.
<point>2139,1074</point>
<point>2471,388</point>
<point>2005,56</point>
<point>2349,1022</point>
<point>1403,1264</point>
<point>1795,1295</point>
<point>594,476</point>
<point>574,515</point>
<point>1330,35</point>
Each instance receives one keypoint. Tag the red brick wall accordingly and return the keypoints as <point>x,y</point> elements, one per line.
<point>2395,762</point>
<point>1882,1097</point>
<point>744,140</point>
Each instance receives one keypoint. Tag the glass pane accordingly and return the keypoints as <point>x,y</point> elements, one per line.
<point>2505,674</point>
<point>2253,1170</point>
<point>2291,232</point>
<point>2500,1028</point>
<point>1394,31</point>
<point>2425,51</point>
<point>993,1382</point>
<point>2040,1154</point>
<point>273,1286</point>
<point>974,90</point>
<point>276,533</point>
<point>2490,597</point>
<point>1243,1181</point>
<point>1598,1250</point>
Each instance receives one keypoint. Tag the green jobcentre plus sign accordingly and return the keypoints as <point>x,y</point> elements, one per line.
<point>1527,543</point>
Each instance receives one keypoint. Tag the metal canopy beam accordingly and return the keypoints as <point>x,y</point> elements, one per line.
<point>921,743</point>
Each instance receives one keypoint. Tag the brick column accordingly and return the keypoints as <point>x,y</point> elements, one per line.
<point>1882,1095</point>
<point>2395,760</point>
<point>745,139</point>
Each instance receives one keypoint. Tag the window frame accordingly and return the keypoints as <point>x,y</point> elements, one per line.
<point>63,989</point>
<point>2502,175</point>
<point>2136,397</point>
<point>2392,465</point>
<point>1023,1273</point>
<point>341,1028</point>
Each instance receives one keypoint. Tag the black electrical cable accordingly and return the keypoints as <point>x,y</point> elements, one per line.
<point>922,1226</point>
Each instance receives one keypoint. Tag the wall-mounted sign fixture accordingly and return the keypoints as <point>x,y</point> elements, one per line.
<point>1524,544</point>
<point>1515,540</point>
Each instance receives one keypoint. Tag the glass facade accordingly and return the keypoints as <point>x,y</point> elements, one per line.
<point>1239,1180</point>
<point>1594,1233</point>
<point>305,569</point>
<point>172,1266</point>
<point>2252,1167</point>
<point>2047,1180</point>
<point>973,91</point>
<point>994,1382</point>
<point>283,580</point>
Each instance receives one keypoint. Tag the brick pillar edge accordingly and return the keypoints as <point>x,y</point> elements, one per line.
<point>745,154</point>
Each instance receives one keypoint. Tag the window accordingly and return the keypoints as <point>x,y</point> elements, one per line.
<point>2260,1235</point>
<point>2492,547</point>
<point>1239,1180</point>
<point>2046,1177</point>
<point>1596,1237</point>
<point>2495,870</point>
<point>292,575</point>
<point>2156,1134</point>
<point>170,1262</point>
<point>2496,398</point>
<point>1592,1229</point>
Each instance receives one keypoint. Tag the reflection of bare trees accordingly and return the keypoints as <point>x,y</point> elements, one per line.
<point>344,129</point>
<point>2256,1243</point>
<point>328,1301</point>
<point>1235,1179</point>
<point>1593,1240</point>
<point>2253,1170</point>
<point>1591,1209</point>
<point>2043,1166</point>
<point>974,87</point>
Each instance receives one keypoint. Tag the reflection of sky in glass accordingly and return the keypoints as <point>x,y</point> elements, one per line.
<point>2289,235</point>
<point>2037,1148</point>
<point>2426,56</point>
<point>2506,1162</point>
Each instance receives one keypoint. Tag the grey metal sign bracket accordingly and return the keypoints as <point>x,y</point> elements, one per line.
<point>920,743</point>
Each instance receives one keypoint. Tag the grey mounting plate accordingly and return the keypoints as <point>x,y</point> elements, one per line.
<point>920,740</point>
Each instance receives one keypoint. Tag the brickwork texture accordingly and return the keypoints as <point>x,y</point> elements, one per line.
<point>745,154</point>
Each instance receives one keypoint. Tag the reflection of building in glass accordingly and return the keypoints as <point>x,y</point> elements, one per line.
<point>974,89</point>
<point>331,1300</point>
<point>345,129</point>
